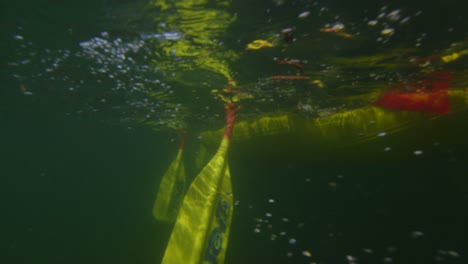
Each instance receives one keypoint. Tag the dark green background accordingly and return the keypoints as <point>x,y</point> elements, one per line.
<point>80,190</point>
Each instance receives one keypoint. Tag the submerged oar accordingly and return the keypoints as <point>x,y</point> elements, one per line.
<point>202,227</point>
<point>171,189</point>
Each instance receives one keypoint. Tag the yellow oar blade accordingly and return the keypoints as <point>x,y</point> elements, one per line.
<point>202,227</point>
<point>219,230</point>
<point>171,191</point>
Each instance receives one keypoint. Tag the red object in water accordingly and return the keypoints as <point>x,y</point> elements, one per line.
<point>231,110</point>
<point>429,95</point>
<point>184,139</point>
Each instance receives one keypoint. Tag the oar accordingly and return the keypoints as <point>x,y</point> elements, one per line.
<point>171,189</point>
<point>202,227</point>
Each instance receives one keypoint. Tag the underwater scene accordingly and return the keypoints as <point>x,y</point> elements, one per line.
<point>234,131</point>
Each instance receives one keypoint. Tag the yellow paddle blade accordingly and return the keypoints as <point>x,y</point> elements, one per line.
<point>202,227</point>
<point>171,191</point>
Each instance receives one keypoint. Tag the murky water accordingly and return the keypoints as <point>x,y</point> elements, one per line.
<point>349,146</point>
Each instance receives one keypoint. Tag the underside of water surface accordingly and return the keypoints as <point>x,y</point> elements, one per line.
<point>349,143</point>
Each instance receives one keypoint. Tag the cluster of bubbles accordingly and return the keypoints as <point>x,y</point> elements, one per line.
<point>341,75</point>
<point>272,93</point>
<point>387,21</point>
<point>105,74</point>
<point>282,229</point>
<point>288,234</point>
<point>383,24</point>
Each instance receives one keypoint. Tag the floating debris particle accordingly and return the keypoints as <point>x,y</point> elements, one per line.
<point>394,15</point>
<point>387,260</point>
<point>372,23</point>
<point>387,31</point>
<point>417,234</point>
<point>268,215</point>
<point>257,230</point>
<point>292,241</point>
<point>287,35</point>
<point>351,259</point>
<point>387,149</point>
<point>368,250</point>
<point>453,254</point>
<point>319,83</point>
<point>405,20</point>
<point>418,152</point>
<point>271,200</point>
<point>285,219</point>
<point>382,134</point>
<point>304,14</point>
<point>338,26</point>
<point>259,44</point>
<point>24,90</point>
<point>306,253</point>
<point>287,30</point>
<point>449,253</point>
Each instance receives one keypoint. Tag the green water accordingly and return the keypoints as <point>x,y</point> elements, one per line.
<point>83,153</point>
